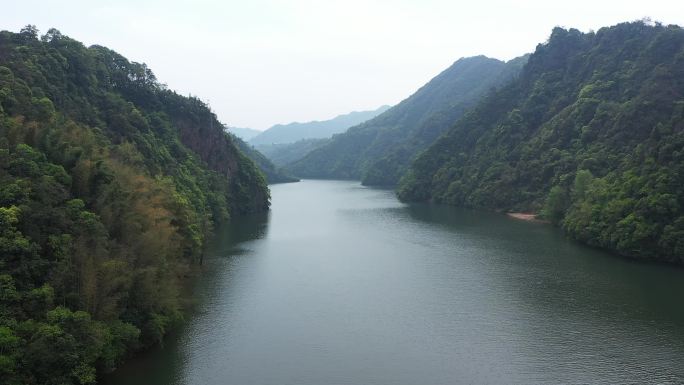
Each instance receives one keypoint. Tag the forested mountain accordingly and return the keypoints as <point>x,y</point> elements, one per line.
<point>591,135</point>
<point>379,150</point>
<point>293,132</point>
<point>272,172</point>
<point>243,133</point>
<point>109,185</point>
<point>283,154</point>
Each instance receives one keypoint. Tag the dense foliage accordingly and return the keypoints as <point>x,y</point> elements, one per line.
<point>273,173</point>
<point>109,185</point>
<point>591,135</point>
<point>379,151</point>
<point>285,153</point>
<point>293,132</point>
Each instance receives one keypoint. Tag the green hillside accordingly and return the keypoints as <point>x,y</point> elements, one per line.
<point>591,135</point>
<point>379,150</point>
<point>283,154</point>
<point>272,173</point>
<point>109,186</point>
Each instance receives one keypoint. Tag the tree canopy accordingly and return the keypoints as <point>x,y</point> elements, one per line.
<point>109,186</point>
<point>590,135</point>
<point>379,151</point>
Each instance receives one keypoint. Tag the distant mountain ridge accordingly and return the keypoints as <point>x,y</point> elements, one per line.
<point>272,172</point>
<point>293,132</point>
<point>283,154</point>
<point>243,133</point>
<point>379,150</point>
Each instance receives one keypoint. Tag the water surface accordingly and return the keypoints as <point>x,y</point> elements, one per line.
<point>343,284</point>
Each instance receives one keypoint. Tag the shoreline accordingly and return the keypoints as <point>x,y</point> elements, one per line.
<point>528,217</point>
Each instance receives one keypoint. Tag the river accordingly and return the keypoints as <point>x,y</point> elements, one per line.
<point>343,284</point>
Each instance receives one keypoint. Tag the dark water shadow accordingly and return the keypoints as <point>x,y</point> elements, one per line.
<point>162,364</point>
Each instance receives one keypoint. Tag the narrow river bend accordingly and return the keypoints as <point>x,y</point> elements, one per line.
<point>343,284</point>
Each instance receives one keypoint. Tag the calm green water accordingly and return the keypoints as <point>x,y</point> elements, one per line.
<point>343,284</point>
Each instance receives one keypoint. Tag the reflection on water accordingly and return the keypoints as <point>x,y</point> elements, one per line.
<point>229,238</point>
<point>343,284</point>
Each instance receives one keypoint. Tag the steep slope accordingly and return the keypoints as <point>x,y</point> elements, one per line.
<point>591,134</point>
<point>109,185</point>
<point>243,133</point>
<point>273,173</point>
<point>283,154</point>
<point>379,150</point>
<point>293,132</point>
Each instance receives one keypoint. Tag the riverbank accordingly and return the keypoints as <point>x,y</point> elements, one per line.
<point>529,217</point>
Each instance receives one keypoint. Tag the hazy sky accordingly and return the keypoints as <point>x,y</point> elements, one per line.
<point>261,62</point>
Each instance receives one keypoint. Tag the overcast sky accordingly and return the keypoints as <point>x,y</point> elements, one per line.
<point>261,62</point>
